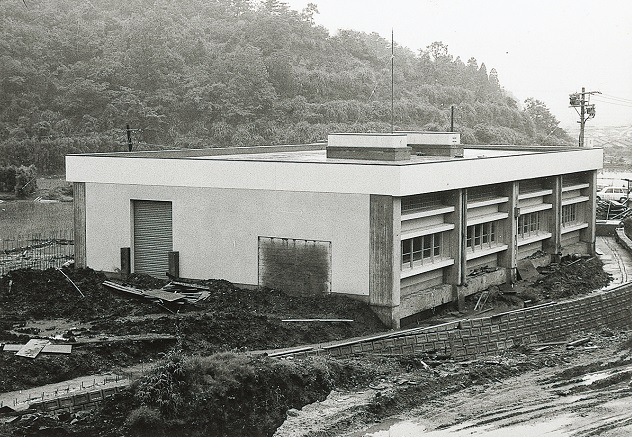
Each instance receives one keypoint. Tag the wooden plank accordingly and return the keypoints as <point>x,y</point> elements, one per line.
<point>317,320</point>
<point>48,349</point>
<point>57,349</point>
<point>32,348</point>
<point>166,296</point>
<point>131,290</point>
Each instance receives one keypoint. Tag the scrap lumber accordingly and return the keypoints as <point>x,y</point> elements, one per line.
<point>123,288</point>
<point>317,320</point>
<point>166,296</point>
<point>48,349</point>
<point>182,284</point>
<point>71,282</point>
<point>32,348</point>
<point>290,351</point>
<point>578,342</point>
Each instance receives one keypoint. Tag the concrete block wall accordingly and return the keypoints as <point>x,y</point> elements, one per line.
<point>76,402</point>
<point>474,338</point>
<point>623,239</point>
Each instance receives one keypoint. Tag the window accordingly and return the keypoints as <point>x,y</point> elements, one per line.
<point>421,250</point>
<point>571,179</point>
<point>528,224</point>
<point>481,236</point>
<point>420,201</point>
<point>569,213</point>
<point>482,193</point>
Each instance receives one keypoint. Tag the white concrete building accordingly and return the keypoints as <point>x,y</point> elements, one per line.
<point>400,220</point>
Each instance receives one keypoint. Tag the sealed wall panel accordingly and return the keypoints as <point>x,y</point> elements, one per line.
<point>297,267</point>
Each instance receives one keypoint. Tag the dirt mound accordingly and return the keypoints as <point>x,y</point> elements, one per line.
<point>105,321</point>
<point>571,277</point>
<point>39,294</point>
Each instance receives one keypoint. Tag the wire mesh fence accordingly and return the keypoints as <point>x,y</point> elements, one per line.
<point>36,251</point>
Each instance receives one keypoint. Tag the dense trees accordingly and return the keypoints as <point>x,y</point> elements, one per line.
<point>212,73</point>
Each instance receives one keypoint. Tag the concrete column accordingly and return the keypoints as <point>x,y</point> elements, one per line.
<point>508,258</point>
<point>454,239</point>
<point>79,217</point>
<point>385,257</point>
<point>589,235</point>
<point>553,245</point>
<point>455,275</point>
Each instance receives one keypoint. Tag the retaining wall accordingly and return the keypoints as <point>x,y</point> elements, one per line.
<point>473,338</point>
<point>623,239</point>
<point>77,402</point>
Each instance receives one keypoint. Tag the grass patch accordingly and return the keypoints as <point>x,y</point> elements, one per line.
<point>35,220</point>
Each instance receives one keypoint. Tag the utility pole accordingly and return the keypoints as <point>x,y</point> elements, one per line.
<point>586,110</point>
<point>129,138</point>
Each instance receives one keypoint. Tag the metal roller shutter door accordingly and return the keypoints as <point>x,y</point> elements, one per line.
<point>152,237</point>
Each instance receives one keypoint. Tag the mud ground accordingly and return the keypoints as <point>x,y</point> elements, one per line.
<point>109,329</point>
<point>372,392</point>
<point>562,392</point>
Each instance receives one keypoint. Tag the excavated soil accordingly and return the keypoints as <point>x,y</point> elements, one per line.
<point>107,327</point>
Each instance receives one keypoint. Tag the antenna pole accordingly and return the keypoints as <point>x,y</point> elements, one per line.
<point>392,77</point>
<point>582,118</point>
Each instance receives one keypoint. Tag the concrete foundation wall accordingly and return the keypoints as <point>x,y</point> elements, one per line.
<point>216,231</point>
<point>412,302</point>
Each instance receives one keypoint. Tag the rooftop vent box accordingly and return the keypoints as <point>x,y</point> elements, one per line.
<point>369,146</point>
<point>435,143</point>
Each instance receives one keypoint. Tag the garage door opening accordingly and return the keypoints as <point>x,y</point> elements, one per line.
<point>153,237</point>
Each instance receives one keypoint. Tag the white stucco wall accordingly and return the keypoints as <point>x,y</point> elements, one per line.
<point>216,230</point>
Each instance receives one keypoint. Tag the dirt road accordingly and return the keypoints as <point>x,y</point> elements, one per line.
<point>586,392</point>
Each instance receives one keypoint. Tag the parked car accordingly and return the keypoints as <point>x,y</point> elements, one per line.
<point>619,194</point>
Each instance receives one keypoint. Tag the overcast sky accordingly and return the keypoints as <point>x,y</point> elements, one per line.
<point>545,49</point>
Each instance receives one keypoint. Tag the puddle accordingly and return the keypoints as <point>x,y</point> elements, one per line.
<point>407,428</point>
<point>598,376</point>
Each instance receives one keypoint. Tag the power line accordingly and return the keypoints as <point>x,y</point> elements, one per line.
<point>613,103</point>
<point>621,99</point>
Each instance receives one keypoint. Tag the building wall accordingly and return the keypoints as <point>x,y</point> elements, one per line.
<point>524,213</point>
<point>216,231</point>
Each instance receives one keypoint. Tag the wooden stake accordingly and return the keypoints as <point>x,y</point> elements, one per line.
<point>70,280</point>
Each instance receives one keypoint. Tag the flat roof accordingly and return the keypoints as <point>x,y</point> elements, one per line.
<point>307,168</point>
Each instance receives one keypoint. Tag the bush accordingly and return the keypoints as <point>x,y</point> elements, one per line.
<point>144,420</point>
<point>25,181</point>
<point>229,394</point>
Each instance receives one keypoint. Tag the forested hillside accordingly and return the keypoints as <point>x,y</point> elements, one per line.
<point>213,73</point>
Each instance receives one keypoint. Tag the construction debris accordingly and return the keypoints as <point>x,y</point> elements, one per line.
<point>172,293</point>
<point>527,270</point>
<point>32,348</point>
<point>71,282</point>
<point>317,320</point>
<point>579,342</point>
<point>47,349</point>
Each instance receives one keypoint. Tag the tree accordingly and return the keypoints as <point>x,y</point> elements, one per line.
<point>544,121</point>
<point>308,12</point>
